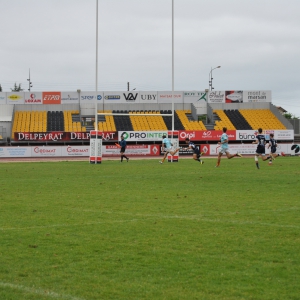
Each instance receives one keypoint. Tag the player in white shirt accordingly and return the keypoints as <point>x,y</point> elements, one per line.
<point>224,149</point>
<point>168,148</point>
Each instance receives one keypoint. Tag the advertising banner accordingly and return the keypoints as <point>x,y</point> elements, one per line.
<point>2,98</point>
<point>166,97</point>
<point>248,135</point>
<point>148,97</point>
<point>257,96</point>
<point>75,151</point>
<point>69,97</point>
<point>284,134</point>
<point>195,97</point>
<point>134,136</point>
<point>150,150</point>
<point>15,98</point>
<point>205,135</point>
<point>33,98</point>
<point>51,97</point>
<point>244,149</point>
<point>15,152</point>
<point>216,97</point>
<point>89,97</point>
<point>121,97</point>
<point>41,151</point>
<point>233,96</point>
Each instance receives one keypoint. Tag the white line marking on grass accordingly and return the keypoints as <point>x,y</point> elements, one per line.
<point>143,216</point>
<point>68,225</point>
<point>42,292</point>
<point>200,218</point>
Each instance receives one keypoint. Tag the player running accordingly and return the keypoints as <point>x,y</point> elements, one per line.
<point>167,147</point>
<point>261,147</point>
<point>196,151</point>
<point>224,149</point>
<point>273,145</point>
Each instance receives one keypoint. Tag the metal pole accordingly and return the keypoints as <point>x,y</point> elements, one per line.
<point>96,96</point>
<point>172,65</point>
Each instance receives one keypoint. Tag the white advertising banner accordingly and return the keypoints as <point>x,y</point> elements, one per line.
<point>15,152</point>
<point>33,98</point>
<point>195,97</point>
<point>69,97</point>
<point>148,97</point>
<point>146,136</point>
<point>284,134</point>
<point>246,135</point>
<point>245,149</point>
<point>72,151</point>
<point>89,97</point>
<point>257,96</point>
<point>15,98</point>
<point>111,150</point>
<point>46,151</point>
<point>121,97</point>
<point>2,98</point>
<point>216,97</point>
<point>166,97</point>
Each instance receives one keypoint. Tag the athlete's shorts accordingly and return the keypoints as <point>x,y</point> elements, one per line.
<point>273,149</point>
<point>122,150</point>
<point>223,150</point>
<point>260,150</point>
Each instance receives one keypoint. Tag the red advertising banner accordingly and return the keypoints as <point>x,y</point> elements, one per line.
<point>205,135</point>
<point>51,97</point>
<point>56,136</point>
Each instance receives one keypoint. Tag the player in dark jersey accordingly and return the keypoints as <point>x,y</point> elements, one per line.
<point>273,145</point>
<point>196,151</point>
<point>261,147</point>
<point>123,145</point>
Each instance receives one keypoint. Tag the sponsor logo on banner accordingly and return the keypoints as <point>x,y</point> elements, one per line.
<point>51,97</point>
<point>284,134</point>
<point>90,97</point>
<point>112,97</point>
<point>142,135</point>
<point>33,99</point>
<point>256,96</point>
<point>130,97</point>
<point>75,150</point>
<point>216,97</point>
<point>200,95</point>
<point>246,135</point>
<point>234,96</point>
<point>14,97</point>
<point>148,97</point>
<point>205,135</point>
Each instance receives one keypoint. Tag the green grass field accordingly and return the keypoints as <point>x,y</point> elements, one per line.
<point>141,230</point>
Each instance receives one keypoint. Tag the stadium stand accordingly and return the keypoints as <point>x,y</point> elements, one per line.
<point>223,122</point>
<point>187,123</point>
<point>106,123</point>
<point>237,119</point>
<point>261,118</point>
<point>42,121</point>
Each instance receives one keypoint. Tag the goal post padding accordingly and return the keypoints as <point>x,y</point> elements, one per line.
<point>173,136</point>
<point>96,146</point>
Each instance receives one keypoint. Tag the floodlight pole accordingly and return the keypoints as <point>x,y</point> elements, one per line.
<point>210,78</point>
<point>96,96</point>
<point>172,65</point>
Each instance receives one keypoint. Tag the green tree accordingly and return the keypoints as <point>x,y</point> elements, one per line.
<point>290,116</point>
<point>17,88</point>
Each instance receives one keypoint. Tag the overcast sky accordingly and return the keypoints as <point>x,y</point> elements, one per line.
<point>256,43</point>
